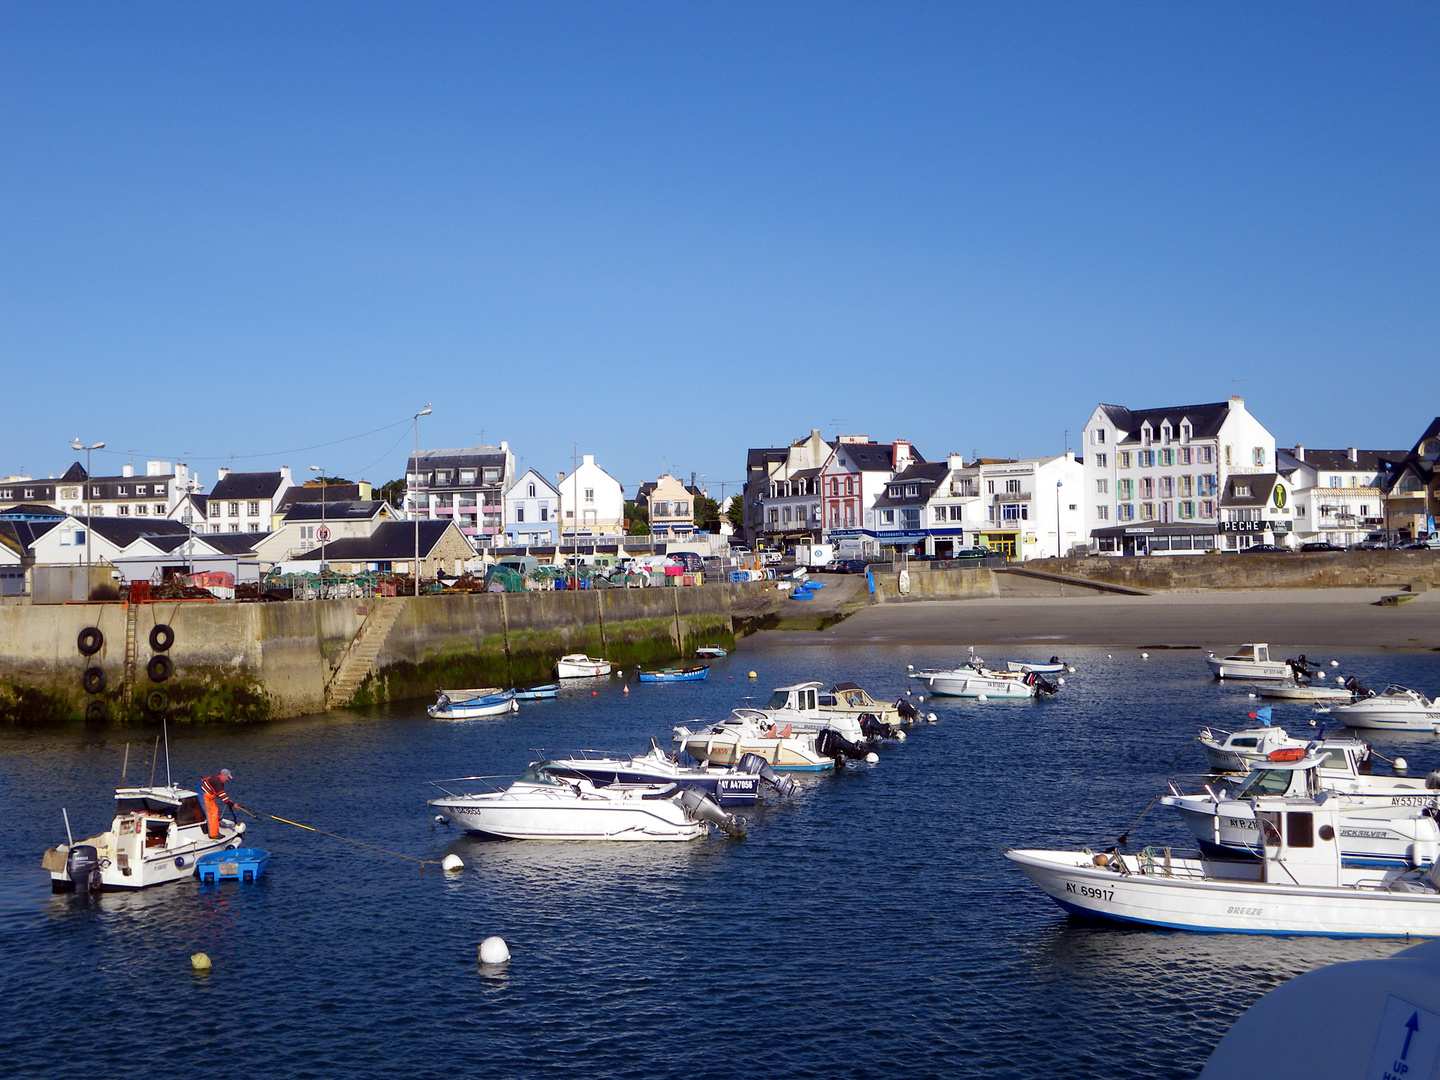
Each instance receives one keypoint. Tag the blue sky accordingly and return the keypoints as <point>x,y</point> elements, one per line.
<point>264,234</point>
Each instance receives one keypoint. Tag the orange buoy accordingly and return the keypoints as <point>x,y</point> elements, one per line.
<point>627,689</point>
<point>594,693</point>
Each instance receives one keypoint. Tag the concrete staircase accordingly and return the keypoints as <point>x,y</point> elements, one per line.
<point>360,654</point>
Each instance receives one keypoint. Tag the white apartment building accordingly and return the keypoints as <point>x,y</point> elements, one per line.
<point>1155,479</point>
<point>592,502</point>
<point>1339,495</point>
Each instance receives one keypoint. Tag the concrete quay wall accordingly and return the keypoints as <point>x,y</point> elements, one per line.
<point>238,662</point>
<point>1236,570</point>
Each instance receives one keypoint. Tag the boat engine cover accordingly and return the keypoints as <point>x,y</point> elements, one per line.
<point>701,807</point>
<point>755,765</point>
<point>82,867</point>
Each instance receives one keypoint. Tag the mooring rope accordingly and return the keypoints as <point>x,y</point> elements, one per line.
<point>337,836</point>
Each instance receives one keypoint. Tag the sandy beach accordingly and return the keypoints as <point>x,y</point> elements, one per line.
<point>1289,619</point>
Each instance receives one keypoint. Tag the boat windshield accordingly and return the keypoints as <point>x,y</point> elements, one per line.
<point>538,774</point>
<point>778,700</point>
<point>1335,760</point>
<point>148,806</point>
<point>1265,782</point>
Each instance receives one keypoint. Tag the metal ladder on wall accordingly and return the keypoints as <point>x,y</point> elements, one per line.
<point>132,651</point>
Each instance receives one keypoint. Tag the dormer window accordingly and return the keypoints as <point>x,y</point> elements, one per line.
<point>1242,491</point>
<point>912,491</point>
<point>1165,432</point>
<point>1146,434</point>
<point>895,492</point>
<point>122,490</point>
<point>1186,431</point>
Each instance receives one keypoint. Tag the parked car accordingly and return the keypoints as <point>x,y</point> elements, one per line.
<point>1412,545</point>
<point>848,566</point>
<point>688,559</point>
<point>1320,545</point>
<point>1267,549</point>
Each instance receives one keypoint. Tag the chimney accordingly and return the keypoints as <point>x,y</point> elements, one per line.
<point>1354,454</point>
<point>901,454</point>
<point>366,491</point>
<point>285,480</point>
<point>956,461</point>
<point>221,473</point>
<point>157,468</point>
<point>128,469</point>
<point>1299,452</point>
<point>587,459</point>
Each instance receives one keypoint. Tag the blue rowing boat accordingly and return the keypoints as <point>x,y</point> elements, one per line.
<point>676,674</point>
<point>536,693</point>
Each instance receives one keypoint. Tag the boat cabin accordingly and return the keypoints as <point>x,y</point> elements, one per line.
<point>1258,652</point>
<point>1301,842</point>
<point>803,697</point>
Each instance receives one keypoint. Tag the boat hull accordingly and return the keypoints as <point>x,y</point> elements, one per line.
<point>494,705</point>
<point>510,819</point>
<point>695,674</point>
<point>1229,906</point>
<point>1295,692</point>
<point>572,667</point>
<point>1387,717</point>
<point>1226,668</point>
<point>725,750</point>
<point>727,789</point>
<point>971,685</point>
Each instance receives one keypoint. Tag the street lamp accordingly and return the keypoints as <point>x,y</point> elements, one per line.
<point>76,444</point>
<point>414,501</point>
<point>324,530</point>
<point>1059,541</point>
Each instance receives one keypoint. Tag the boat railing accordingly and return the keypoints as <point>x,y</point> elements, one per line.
<point>493,783</point>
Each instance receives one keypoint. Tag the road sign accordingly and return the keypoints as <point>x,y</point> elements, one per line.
<point>322,533</point>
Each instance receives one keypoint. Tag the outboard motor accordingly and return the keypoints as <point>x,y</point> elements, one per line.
<point>442,699</point>
<point>830,743</point>
<point>755,765</point>
<point>908,711</point>
<point>1041,684</point>
<point>873,728</point>
<point>1357,688</point>
<point>82,867</point>
<point>1432,781</point>
<point>701,807</point>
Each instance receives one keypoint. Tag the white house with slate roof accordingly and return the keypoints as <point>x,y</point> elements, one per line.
<point>1154,479</point>
<point>852,479</point>
<point>246,501</point>
<point>1339,495</point>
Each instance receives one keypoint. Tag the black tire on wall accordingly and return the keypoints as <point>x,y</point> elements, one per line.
<point>96,712</point>
<point>93,680</point>
<point>90,641</point>
<point>157,701</point>
<point>159,668</point>
<point>161,637</point>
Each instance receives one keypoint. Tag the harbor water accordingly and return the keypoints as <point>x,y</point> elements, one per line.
<point>867,927</point>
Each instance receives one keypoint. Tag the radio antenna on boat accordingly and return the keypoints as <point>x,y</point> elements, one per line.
<point>125,765</point>
<point>155,753</point>
<point>165,730</point>
<point>69,836</point>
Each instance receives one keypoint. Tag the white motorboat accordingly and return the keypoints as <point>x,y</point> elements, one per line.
<point>710,652</point>
<point>1395,708</point>
<point>1386,820</point>
<point>157,836</point>
<point>799,709</point>
<point>1053,666</point>
<point>543,806</point>
<point>1239,751</point>
<point>735,786</point>
<point>580,666</point>
<point>1299,690</point>
<point>848,698</point>
<point>469,704</point>
<point>976,681</point>
<point>784,748</point>
<point>1298,886</point>
<point>1250,661</point>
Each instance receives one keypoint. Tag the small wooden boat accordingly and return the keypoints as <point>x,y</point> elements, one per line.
<point>470,704</point>
<point>580,666</point>
<point>537,693</point>
<point>1053,666</point>
<point>675,674</point>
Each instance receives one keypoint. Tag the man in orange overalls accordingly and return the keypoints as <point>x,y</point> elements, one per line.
<point>212,788</point>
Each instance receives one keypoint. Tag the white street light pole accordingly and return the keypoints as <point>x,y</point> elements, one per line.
<point>324,531</point>
<point>78,445</point>
<point>1059,541</point>
<point>415,498</point>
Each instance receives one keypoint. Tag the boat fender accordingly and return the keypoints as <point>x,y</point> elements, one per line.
<point>1101,860</point>
<point>90,640</point>
<point>93,680</point>
<point>157,701</point>
<point>96,712</point>
<point>493,950</point>
<point>1432,781</point>
<point>161,637</point>
<point>159,668</point>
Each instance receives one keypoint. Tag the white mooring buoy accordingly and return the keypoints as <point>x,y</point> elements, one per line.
<point>493,950</point>
<point>753,675</point>
<point>982,697</point>
<point>930,717</point>
<point>872,758</point>
<point>1401,764</point>
<point>200,962</point>
<point>452,863</point>
<point>1334,663</point>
